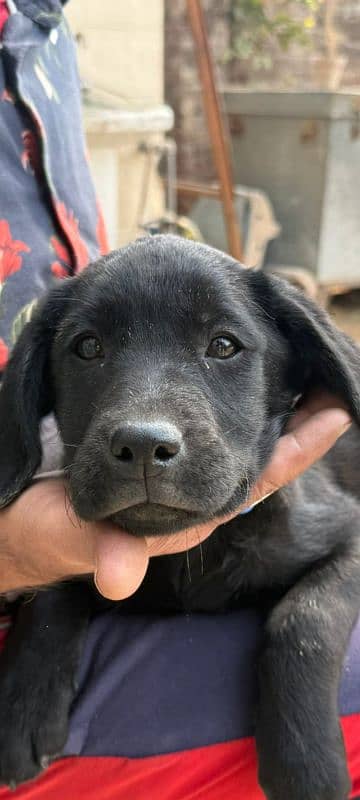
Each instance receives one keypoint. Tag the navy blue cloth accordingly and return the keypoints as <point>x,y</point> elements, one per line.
<point>150,685</point>
<point>50,225</point>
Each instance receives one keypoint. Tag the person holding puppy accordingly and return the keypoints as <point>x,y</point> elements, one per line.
<point>50,228</point>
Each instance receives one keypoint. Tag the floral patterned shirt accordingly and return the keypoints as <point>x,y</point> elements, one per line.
<point>50,223</point>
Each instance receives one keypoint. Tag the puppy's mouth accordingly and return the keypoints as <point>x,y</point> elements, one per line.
<point>153,519</point>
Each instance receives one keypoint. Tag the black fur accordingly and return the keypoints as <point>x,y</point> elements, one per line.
<point>156,305</point>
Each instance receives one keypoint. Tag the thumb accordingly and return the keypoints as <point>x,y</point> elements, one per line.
<point>121,561</point>
<point>298,449</point>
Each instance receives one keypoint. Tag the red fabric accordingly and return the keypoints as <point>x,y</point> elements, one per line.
<point>220,772</point>
<point>3,14</point>
<point>5,621</point>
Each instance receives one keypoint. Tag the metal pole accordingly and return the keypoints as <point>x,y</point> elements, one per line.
<point>219,139</point>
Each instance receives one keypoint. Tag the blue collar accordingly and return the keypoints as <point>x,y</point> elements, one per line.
<point>247,510</point>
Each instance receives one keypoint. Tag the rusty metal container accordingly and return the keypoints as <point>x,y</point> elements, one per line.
<point>303,150</point>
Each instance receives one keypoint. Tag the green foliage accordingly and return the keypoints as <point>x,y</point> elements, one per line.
<point>258,25</point>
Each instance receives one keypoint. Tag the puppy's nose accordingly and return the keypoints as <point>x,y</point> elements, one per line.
<point>146,444</point>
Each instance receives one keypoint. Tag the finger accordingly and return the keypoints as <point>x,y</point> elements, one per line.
<point>121,561</point>
<point>316,401</point>
<point>118,560</point>
<point>182,541</point>
<point>297,450</point>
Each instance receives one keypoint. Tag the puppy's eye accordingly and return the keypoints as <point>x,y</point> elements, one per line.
<point>88,348</point>
<point>222,347</point>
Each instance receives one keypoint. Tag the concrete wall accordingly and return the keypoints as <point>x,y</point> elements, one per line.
<point>290,71</point>
<point>120,52</point>
<point>121,46</point>
<point>182,84</point>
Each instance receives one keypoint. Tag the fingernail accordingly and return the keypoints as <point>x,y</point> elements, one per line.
<point>344,428</point>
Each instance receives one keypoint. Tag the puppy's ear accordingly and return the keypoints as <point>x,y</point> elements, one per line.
<point>26,395</point>
<point>323,356</point>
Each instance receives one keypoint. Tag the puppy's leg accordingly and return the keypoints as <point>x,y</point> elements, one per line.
<point>37,679</point>
<point>299,740</point>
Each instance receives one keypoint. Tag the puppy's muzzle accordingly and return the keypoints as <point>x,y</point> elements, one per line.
<point>140,448</point>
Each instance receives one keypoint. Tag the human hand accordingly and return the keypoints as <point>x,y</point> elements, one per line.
<point>41,540</point>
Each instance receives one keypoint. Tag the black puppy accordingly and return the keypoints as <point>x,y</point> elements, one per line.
<point>172,372</point>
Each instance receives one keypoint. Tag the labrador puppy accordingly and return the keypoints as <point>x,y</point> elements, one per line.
<point>172,372</point>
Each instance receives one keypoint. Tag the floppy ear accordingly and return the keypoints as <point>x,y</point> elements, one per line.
<point>323,356</point>
<point>26,396</point>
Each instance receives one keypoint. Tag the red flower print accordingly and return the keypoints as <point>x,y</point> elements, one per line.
<point>4,355</point>
<point>30,157</point>
<point>70,226</point>
<point>101,234</point>
<point>62,252</point>
<point>58,270</point>
<point>10,260</point>
<point>4,14</point>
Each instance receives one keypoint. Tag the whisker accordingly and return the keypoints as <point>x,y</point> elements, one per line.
<point>188,559</point>
<point>80,492</point>
<point>69,508</point>
<point>67,467</point>
<point>59,441</point>
<point>29,598</point>
<point>201,556</point>
<point>67,505</point>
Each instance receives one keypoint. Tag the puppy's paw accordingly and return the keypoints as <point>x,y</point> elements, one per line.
<point>33,724</point>
<point>304,770</point>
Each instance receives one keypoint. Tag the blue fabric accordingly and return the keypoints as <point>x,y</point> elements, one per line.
<point>48,210</point>
<point>150,685</point>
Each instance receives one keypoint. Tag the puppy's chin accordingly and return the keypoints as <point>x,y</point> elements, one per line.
<point>149,519</point>
<point>237,499</point>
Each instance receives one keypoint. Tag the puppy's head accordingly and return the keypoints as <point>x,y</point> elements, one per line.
<point>171,371</point>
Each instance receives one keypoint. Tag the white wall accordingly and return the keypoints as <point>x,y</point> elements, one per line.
<point>120,51</point>
<point>122,46</point>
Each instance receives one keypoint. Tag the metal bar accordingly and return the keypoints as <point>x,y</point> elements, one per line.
<point>193,189</point>
<point>219,140</point>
